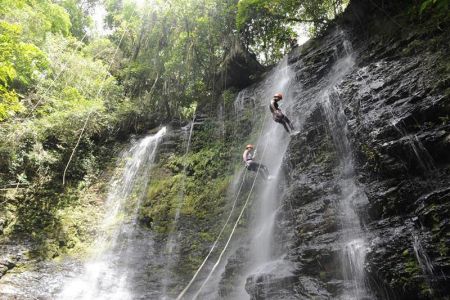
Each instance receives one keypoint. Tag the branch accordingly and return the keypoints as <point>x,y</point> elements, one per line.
<point>154,84</point>
<point>293,19</point>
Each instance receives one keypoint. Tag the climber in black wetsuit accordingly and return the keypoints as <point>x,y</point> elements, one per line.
<point>252,165</point>
<point>277,115</point>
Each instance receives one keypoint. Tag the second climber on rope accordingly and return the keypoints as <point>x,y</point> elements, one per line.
<point>252,165</point>
<point>278,115</point>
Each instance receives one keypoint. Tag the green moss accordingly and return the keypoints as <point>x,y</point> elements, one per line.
<point>425,289</point>
<point>412,47</point>
<point>443,248</point>
<point>412,267</point>
<point>371,155</point>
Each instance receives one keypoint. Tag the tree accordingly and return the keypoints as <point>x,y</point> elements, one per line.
<point>20,63</point>
<point>266,26</point>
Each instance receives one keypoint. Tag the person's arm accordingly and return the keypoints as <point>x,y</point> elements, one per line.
<point>275,105</point>
<point>244,156</point>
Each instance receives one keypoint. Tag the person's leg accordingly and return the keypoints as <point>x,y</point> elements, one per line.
<point>285,126</point>
<point>288,122</point>
<point>265,171</point>
<point>255,166</point>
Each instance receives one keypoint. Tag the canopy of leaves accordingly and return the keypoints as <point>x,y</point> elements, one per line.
<point>62,88</point>
<point>266,26</point>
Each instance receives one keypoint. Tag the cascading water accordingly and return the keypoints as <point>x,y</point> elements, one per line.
<point>424,261</point>
<point>425,160</point>
<point>108,273</point>
<point>273,141</point>
<point>171,255</point>
<point>272,144</point>
<point>422,257</point>
<point>352,196</point>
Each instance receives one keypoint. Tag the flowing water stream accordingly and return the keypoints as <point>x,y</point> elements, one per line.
<point>107,275</point>
<point>170,252</point>
<point>352,196</point>
<point>271,146</point>
<point>264,260</point>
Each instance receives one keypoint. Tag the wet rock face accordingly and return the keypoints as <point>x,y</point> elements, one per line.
<point>395,98</point>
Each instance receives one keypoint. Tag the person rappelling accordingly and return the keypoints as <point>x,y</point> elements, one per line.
<point>251,165</point>
<point>278,115</point>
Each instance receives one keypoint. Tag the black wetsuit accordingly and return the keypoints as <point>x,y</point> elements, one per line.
<point>279,117</point>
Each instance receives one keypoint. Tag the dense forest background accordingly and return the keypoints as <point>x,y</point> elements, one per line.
<point>69,92</point>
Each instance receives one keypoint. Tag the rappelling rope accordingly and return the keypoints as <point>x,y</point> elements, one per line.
<point>235,224</point>
<point>180,203</point>
<point>226,222</point>
<point>216,241</point>
<point>232,232</point>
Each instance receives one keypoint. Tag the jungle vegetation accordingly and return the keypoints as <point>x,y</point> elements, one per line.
<point>68,91</point>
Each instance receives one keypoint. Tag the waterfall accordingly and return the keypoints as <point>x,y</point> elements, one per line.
<point>353,239</point>
<point>172,240</point>
<point>271,146</point>
<point>108,273</point>
<point>274,141</point>
<point>422,155</point>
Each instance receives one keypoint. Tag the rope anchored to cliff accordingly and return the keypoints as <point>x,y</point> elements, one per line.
<point>224,226</point>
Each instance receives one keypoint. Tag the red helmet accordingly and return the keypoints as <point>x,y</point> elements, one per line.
<point>249,146</point>
<point>278,95</point>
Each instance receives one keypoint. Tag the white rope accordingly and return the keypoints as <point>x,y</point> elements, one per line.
<point>216,241</point>
<point>232,231</point>
<point>224,226</point>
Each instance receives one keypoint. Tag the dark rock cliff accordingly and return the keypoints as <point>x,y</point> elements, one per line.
<point>388,82</point>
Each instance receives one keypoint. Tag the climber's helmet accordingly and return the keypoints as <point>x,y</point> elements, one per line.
<point>249,146</point>
<point>278,96</point>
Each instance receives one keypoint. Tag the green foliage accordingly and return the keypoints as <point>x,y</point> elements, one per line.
<point>20,63</point>
<point>172,51</point>
<point>441,6</point>
<point>266,26</point>
<point>37,18</point>
<point>66,95</point>
<point>80,19</point>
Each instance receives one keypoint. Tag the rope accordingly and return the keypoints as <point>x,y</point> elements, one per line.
<point>215,242</point>
<point>232,231</point>
<point>226,222</point>
<point>180,204</point>
<point>224,226</point>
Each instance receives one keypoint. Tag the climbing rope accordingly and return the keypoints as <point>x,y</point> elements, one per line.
<point>216,241</point>
<point>232,231</point>
<point>226,222</point>
<point>180,203</point>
